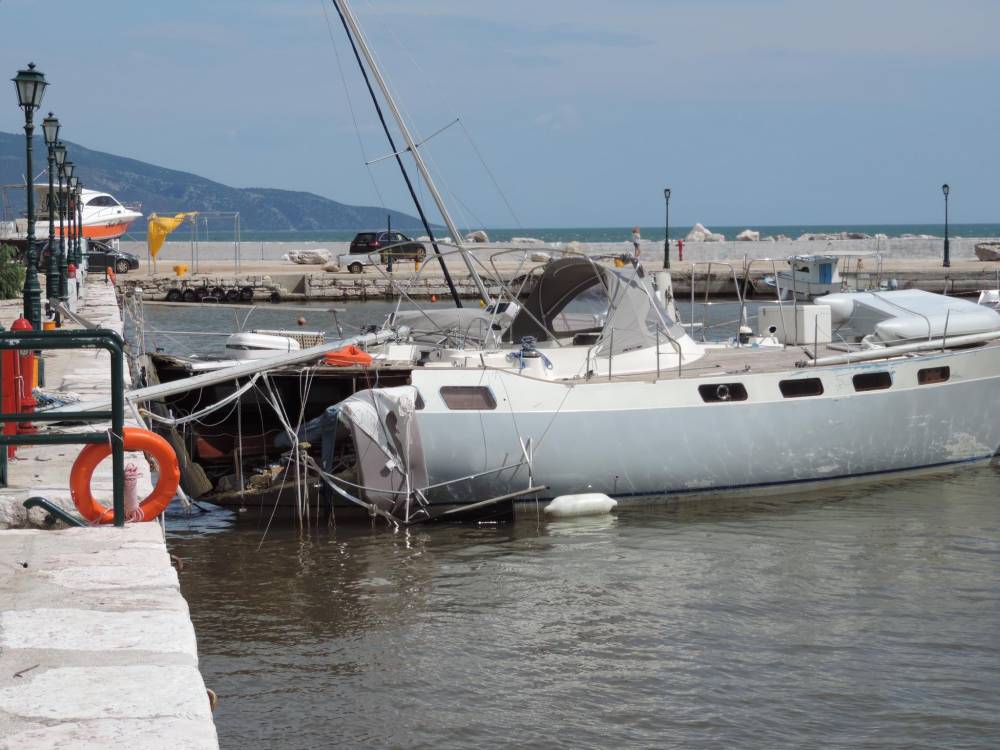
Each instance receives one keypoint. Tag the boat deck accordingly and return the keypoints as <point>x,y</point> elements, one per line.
<point>731,361</point>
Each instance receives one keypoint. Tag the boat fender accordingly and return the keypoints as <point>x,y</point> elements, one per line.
<point>348,356</point>
<point>586,504</point>
<point>136,439</point>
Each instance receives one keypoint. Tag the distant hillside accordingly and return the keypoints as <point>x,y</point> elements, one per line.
<point>161,190</point>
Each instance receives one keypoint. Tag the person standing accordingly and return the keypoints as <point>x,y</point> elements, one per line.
<point>636,239</point>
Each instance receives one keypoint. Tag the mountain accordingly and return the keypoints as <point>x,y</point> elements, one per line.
<point>162,190</point>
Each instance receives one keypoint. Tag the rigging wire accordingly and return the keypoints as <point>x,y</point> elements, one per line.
<point>399,160</point>
<point>446,104</point>
<point>350,103</point>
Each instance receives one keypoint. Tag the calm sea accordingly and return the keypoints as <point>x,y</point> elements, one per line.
<point>851,618</point>
<point>618,234</point>
<point>865,618</point>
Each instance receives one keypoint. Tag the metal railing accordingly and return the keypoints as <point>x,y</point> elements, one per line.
<point>76,339</point>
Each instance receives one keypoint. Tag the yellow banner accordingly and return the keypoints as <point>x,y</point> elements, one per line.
<point>159,227</point>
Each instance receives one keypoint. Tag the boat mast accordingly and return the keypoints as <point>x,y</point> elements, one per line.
<point>399,162</point>
<point>411,145</point>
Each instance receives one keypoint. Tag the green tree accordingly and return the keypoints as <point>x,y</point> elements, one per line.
<point>11,273</point>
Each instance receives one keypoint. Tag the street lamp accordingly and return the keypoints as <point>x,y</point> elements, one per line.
<point>78,202</point>
<point>666,238</point>
<point>65,252</point>
<point>50,128</point>
<point>59,150</point>
<point>30,85</point>
<point>67,174</point>
<point>947,257</point>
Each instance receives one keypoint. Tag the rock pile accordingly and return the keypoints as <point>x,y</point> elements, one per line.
<point>699,233</point>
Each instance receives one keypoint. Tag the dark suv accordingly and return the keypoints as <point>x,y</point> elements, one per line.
<point>403,248</point>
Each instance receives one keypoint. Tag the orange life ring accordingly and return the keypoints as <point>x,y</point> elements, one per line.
<point>347,356</point>
<point>136,439</point>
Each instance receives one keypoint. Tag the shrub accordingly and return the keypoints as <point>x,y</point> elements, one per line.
<point>11,273</point>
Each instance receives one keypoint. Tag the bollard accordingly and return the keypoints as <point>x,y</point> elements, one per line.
<point>10,392</point>
<point>26,375</point>
<point>680,249</point>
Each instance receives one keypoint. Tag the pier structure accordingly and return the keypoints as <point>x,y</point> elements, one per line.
<point>274,282</point>
<point>97,648</point>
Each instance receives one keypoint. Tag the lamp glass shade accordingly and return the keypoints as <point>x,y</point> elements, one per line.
<point>50,127</point>
<point>74,184</point>
<point>666,193</point>
<point>30,84</point>
<point>945,189</point>
<point>68,169</point>
<point>59,151</point>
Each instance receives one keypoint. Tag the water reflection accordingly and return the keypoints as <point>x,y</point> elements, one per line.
<point>861,617</point>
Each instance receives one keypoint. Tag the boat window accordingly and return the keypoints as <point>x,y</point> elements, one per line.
<point>801,387</point>
<point>719,392</point>
<point>468,397</point>
<point>102,200</point>
<point>933,375</point>
<point>872,381</point>
<point>586,312</point>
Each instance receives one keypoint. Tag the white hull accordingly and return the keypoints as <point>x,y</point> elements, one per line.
<point>660,439</point>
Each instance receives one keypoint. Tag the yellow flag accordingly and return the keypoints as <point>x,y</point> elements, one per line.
<point>159,227</point>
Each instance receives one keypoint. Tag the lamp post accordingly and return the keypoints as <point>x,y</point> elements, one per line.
<point>50,128</point>
<point>78,201</point>
<point>666,238</point>
<point>30,85</point>
<point>59,150</point>
<point>68,170</point>
<point>947,256</point>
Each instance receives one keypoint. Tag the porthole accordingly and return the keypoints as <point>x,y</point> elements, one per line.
<point>468,397</point>
<point>713,393</point>
<point>872,381</point>
<point>801,387</point>
<point>933,375</point>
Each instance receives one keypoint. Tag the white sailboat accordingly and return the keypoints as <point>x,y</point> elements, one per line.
<point>590,386</point>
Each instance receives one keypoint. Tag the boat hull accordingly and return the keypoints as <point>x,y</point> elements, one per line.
<point>661,440</point>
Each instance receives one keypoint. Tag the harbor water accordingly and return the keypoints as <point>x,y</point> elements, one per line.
<point>852,617</point>
<point>859,618</point>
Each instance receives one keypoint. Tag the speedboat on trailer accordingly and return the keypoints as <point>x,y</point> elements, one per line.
<point>103,216</point>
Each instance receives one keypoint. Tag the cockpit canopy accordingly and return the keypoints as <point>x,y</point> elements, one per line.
<point>577,299</point>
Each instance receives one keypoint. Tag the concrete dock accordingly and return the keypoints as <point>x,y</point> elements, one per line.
<point>96,645</point>
<point>910,263</point>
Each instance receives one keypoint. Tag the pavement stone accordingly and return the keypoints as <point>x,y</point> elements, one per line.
<point>97,648</point>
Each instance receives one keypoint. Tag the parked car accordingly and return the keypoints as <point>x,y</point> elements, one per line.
<point>99,257</point>
<point>388,243</point>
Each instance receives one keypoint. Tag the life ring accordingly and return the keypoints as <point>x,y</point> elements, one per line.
<point>136,439</point>
<point>348,356</point>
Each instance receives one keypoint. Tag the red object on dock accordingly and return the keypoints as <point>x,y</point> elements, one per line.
<point>10,394</point>
<point>26,374</point>
<point>680,249</point>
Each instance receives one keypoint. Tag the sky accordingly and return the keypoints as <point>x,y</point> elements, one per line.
<point>572,112</point>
